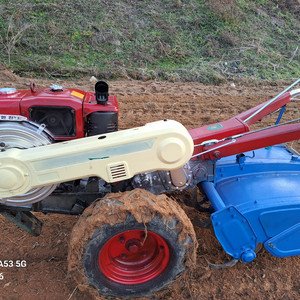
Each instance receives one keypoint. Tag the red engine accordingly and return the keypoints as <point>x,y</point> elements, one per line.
<point>66,113</point>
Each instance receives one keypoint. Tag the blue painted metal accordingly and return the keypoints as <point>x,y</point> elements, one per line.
<point>286,243</point>
<point>263,187</point>
<point>280,114</point>
<point>213,195</point>
<point>234,233</point>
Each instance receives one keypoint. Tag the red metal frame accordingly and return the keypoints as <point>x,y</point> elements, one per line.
<point>237,125</point>
<point>255,140</point>
<point>278,103</point>
<point>217,131</point>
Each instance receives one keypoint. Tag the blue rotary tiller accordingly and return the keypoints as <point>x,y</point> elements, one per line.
<point>256,197</point>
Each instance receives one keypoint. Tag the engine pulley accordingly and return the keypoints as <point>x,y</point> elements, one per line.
<point>21,135</point>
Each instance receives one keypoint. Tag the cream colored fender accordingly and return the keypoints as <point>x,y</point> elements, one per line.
<point>162,145</point>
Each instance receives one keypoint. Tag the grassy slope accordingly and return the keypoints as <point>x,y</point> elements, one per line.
<point>207,41</point>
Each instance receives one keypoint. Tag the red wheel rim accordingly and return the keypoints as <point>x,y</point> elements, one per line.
<point>134,257</point>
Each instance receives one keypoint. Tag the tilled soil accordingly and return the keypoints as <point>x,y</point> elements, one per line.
<point>46,276</point>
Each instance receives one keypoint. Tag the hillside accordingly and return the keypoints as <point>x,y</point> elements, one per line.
<point>193,40</point>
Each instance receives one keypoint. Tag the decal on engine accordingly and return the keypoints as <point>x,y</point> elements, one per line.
<point>74,93</point>
<point>12,118</point>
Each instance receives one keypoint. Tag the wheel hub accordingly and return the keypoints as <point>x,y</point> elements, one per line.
<point>134,257</point>
<point>133,245</point>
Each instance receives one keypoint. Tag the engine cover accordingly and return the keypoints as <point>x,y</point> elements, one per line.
<point>67,113</point>
<point>115,156</point>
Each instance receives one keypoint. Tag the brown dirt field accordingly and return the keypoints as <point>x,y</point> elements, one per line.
<point>193,104</point>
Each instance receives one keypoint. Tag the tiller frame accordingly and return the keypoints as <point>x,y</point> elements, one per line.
<point>255,193</point>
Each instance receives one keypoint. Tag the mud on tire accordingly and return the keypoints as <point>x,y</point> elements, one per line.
<point>131,244</point>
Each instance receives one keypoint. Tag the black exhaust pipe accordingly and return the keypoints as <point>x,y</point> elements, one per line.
<point>101,89</point>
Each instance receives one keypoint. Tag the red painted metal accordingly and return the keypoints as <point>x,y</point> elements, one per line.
<point>10,104</point>
<point>64,98</point>
<point>83,104</point>
<point>236,125</point>
<point>89,103</point>
<point>255,140</point>
<point>134,257</point>
<point>217,131</point>
<point>278,103</point>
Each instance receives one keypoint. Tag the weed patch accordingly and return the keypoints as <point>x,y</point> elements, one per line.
<point>208,41</point>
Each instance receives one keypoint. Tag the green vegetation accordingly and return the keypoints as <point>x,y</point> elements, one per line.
<point>207,41</point>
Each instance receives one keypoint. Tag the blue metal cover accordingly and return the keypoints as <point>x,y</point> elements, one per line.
<point>286,243</point>
<point>263,187</point>
<point>235,233</point>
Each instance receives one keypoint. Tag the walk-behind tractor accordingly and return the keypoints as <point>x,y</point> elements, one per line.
<point>61,153</point>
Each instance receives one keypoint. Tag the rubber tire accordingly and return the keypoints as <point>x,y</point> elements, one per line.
<point>102,283</point>
<point>182,254</point>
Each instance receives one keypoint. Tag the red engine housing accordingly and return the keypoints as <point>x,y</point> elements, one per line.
<point>67,113</point>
